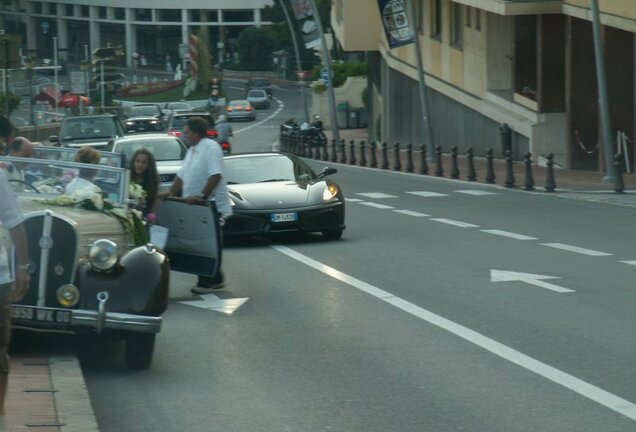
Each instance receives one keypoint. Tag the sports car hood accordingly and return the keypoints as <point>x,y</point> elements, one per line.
<point>275,195</point>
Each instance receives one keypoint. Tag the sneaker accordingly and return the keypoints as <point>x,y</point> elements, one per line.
<point>208,289</point>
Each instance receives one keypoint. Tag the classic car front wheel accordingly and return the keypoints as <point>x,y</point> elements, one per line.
<point>139,349</point>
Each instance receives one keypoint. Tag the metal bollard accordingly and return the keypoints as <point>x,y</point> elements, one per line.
<point>363,154</point>
<point>325,151</point>
<point>619,185</point>
<point>374,158</point>
<point>528,184</point>
<point>409,158</point>
<point>423,163</point>
<point>334,151</point>
<point>550,184</point>
<point>352,153</point>
<point>385,156</point>
<point>510,176</point>
<point>470,157</point>
<point>343,152</point>
<point>317,152</point>
<point>454,166</point>
<point>439,169</point>
<point>397,163</point>
<point>490,169</point>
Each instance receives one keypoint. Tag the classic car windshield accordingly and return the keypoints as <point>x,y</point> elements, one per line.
<point>255,169</point>
<point>47,178</point>
<point>68,155</point>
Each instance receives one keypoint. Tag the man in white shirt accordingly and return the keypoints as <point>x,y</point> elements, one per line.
<point>19,147</point>
<point>201,178</point>
<point>11,219</point>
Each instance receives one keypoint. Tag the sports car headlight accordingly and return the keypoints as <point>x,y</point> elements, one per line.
<point>68,295</point>
<point>153,121</point>
<point>330,192</point>
<point>103,255</point>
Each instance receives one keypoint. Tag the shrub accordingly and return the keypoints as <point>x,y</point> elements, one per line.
<point>342,71</point>
<point>147,89</point>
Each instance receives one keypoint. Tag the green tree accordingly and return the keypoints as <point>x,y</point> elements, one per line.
<point>255,46</point>
<point>203,60</point>
<point>9,101</point>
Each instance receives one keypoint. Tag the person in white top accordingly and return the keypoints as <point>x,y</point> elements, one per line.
<point>86,175</point>
<point>11,219</point>
<point>201,178</point>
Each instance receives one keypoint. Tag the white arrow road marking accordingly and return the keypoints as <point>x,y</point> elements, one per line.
<point>532,279</point>
<point>212,302</point>
<point>577,385</point>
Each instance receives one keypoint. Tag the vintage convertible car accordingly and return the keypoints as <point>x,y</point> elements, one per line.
<point>93,269</point>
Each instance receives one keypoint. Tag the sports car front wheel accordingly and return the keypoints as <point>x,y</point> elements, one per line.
<point>139,350</point>
<point>332,234</point>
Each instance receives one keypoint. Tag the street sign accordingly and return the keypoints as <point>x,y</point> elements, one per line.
<point>325,75</point>
<point>78,82</point>
<point>45,26</point>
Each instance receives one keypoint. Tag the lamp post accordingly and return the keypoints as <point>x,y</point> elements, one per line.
<point>29,75</point>
<point>55,72</point>
<point>5,71</point>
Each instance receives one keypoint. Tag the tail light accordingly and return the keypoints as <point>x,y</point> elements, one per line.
<point>229,109</point>
<point>248,109</point>
<point>174,133</point>
<point>212,133</point>
<point>225,146</point>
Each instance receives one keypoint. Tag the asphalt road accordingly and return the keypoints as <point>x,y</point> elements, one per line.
<point>405,324</point>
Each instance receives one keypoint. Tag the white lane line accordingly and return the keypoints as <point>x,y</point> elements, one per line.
<point>575,249</point>
<point>411,213</point>
<point>577,385</point>
<point>455,223</point>
<point>475,192</point>
<point>353,199</point>
<point>508,234</point>
<point>281,105</point>
<point>629,262</point>
<point>376,195</point>
<point>427,194</point>
<point>376,205</point>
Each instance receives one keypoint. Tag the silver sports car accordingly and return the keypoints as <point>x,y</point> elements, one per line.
<point>277,192</point>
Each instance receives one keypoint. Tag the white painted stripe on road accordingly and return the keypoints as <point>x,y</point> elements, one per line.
<point>376,205</point>
<point>411,213</point>
<point>427,194</point>
<point>475,192</point>
<point>455,223</point>
<point>583,388</point>
<point>508,234</point>
<point>281,105</point>
<point>629,262</point>
<point>376,195</point>
<point>353,199</point>
<point>575,249</point>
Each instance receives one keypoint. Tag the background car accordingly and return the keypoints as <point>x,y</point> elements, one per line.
<point>177,121</point>
<point>277,192</point>
<point>92,130</point>
<point>240,110</point>
<point>260,84</point>
<point>168,151</point>
<point>258,99</point>
<point>145,118</point>
<point>97,275</point>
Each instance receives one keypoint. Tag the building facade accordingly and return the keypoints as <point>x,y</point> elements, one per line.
<point>152,29</point>
<point>527,64</point>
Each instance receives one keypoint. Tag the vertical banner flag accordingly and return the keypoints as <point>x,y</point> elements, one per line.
<point>194,66</point>
<point>396,23</point>
<point>305,17</point>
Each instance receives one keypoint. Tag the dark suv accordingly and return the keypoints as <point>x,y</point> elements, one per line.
<point>259,84</point>
<point>177,122</point>
<point>91,130</point>
<point>145,118</point>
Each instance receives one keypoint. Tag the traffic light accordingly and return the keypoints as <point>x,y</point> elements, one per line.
<point>215,87</point>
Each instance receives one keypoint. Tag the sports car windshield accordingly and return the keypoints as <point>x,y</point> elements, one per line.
<point>266,168</point>
<point>55,177</point>
<point>163,149</point>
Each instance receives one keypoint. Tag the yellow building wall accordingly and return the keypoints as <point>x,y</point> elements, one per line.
<point>621,8</point>
<point>363,29</point>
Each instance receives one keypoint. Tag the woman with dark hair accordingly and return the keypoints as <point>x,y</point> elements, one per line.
<point>6,133</point>
<point>143,171</point>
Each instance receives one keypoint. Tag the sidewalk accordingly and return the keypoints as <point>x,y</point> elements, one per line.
<point>47,393</point>
<point>574,184</point>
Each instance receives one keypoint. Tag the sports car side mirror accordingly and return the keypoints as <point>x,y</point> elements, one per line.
<point>327,171</point>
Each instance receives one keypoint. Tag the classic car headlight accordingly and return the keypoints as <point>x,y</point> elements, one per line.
<point>330,192</point>
<point>68,295</point>
<point>130,123</point>
<point>103,255</point>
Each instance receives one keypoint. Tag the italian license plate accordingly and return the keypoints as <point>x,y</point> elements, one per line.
<point>284,217</point>
<point>41,314</point>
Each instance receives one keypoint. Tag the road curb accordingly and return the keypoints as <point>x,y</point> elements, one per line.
<point>72,402</point>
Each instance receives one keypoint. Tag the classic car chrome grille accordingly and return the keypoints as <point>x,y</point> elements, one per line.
<point>52,244</point>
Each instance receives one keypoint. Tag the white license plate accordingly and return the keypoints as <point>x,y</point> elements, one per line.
<point>284,217</point>
<point>41,314</point>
